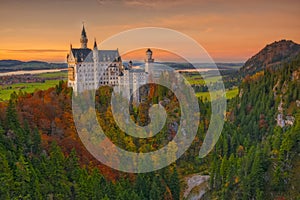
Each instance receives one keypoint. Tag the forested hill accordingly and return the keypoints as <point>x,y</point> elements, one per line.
<point>271,56</point>
<point>42,157</point>
<point>15,65</point>
<point>258,154</point>
<point>256,157</point>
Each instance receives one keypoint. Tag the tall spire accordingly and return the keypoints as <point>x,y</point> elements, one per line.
<point>95,52</point>
<point>83,33</point>
<point>83,39</point>
<point>95,44</point>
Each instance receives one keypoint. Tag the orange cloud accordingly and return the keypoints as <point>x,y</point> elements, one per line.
<point>229,30</point>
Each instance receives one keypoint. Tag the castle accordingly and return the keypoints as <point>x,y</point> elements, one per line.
<point>89,69</point>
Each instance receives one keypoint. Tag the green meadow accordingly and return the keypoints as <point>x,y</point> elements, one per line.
<point>230,93</point>
<point>196,79</point>
<point>6,91</point>
<point>57,75</point>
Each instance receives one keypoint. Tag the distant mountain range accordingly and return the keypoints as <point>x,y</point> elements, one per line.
<point>271,56</point>
<point>15,65</point>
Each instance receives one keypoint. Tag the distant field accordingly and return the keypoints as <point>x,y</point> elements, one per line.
<point>231,93</point>
<point>6,91</point>
<point>58,75</point>
<point>197,79</point>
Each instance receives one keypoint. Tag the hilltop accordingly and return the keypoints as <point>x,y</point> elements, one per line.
<point>271,56</point>
<point>257,155</point>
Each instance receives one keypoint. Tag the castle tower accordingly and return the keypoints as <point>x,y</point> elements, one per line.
<point>148,61</point>
<point>83,39</point>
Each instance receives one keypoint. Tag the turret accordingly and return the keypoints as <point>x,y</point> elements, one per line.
<point>83,39</point>
<point>130,65</point>
<point>149,55</point>
<point>148,61</point>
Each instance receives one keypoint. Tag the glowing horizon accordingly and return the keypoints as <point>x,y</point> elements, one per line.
<point>230,31</point>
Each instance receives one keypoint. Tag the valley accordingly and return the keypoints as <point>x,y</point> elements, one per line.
<point>253,159</point>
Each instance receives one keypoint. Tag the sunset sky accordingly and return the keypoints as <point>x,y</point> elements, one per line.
<point>230,31</point>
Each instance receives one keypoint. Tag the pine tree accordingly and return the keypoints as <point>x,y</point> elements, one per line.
<point>98,185</point>
<point>72,165</point>
<point>11,116</point>
<point>155,192</point>
<point>22,179</point>
<point>6,177</point>
<point>223,169</point>
<point>56,173</point>
<point>36,141</point>
<point>174,185</point>
<point>257,175</point>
